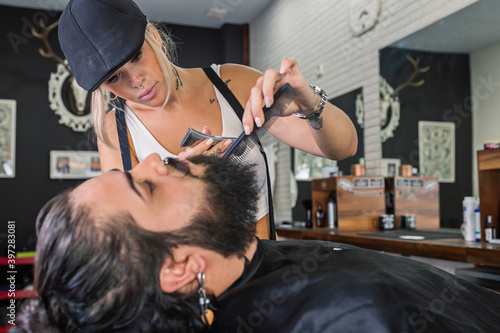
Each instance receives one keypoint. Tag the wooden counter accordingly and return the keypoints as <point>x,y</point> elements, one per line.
<point>455,249</point>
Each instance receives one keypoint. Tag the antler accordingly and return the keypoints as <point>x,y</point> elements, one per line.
<point>44,37</point>
<point>409,82</point>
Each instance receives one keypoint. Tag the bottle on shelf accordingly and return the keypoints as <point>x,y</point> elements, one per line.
<point>332,212</point>
<point>489,231</point>
<point>320,217</point>
<point>477,221</point>
<point>469,226</point>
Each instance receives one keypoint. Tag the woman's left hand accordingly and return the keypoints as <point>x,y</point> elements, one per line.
<point>206,147</point>
<point>262,94</point>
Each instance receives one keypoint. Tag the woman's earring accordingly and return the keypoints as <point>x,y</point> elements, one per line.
<point>112,98</point>
<point>207,315</point>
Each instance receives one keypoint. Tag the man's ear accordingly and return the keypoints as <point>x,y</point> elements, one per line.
<point>179,273</point>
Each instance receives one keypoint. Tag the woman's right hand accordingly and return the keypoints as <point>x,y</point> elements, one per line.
<point>205,147</point>
<point>265,87</point>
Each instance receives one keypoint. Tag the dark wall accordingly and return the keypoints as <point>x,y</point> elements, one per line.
<point>198,47</point>
<point>346,103</point>
<point>24,77</point>
<point>444,97</point>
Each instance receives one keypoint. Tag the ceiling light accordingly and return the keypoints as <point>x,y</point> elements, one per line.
<point>216,13</point>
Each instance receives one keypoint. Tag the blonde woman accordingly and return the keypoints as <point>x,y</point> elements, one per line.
<point>114,50</point>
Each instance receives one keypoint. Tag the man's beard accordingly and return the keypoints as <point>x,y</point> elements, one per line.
<point>176,164</point>
<point>225,222</point>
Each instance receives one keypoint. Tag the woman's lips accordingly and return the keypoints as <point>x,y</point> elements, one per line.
<point>148,93</point>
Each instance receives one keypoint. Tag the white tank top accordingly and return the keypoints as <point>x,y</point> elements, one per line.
<point>145,144</point>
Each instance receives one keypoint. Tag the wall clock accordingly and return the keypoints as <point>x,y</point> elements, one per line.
<point>364,15</point>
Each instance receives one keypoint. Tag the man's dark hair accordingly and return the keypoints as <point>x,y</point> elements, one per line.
<point>101,274</point>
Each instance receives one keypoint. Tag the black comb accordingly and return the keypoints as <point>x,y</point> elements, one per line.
<point>240,148</point>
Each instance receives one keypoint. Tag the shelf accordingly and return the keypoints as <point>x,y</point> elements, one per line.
<point>19,294</point>
<point>4,261</point>
<point>29,259</point>
<point>5,329</point>
<point>488,159</point>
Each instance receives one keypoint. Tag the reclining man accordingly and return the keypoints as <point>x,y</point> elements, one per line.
<point>160,247</point>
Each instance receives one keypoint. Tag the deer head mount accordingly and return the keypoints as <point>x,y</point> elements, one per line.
<point>67,98</point>
<point>389,101</point>
<point>409,82</point>
<point>44,37</point>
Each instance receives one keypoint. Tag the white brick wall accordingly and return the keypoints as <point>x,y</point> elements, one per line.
<point>318,32</point>
<point>486,118</point>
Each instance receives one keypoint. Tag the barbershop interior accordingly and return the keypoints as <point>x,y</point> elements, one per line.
<point>419,80</point>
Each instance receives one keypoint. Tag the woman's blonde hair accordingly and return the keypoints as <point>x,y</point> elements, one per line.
<point>165,53</point>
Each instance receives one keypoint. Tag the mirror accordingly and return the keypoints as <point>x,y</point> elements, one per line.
<point>461,88</point>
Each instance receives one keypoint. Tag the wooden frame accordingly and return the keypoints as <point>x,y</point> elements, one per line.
<point>7,138</point>
<point>436,144</point>
<point>67,164</point>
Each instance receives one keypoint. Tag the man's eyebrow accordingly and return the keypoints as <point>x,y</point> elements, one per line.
<point>131,183</point>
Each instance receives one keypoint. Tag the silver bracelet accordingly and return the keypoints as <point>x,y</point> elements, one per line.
<point>314,118</point>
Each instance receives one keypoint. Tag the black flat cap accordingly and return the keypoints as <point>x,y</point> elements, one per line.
<point>99,36</point>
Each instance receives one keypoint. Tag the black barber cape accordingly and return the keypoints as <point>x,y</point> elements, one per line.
<point>319,287</point>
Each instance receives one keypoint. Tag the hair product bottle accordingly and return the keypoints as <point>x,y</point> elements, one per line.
<point>477,220</point>
<point>332,212</point>
<point>469,205</point>
<point>488,231</point>
<point>320,217</point>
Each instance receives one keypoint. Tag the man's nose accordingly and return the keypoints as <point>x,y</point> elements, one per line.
<point>151,165</point>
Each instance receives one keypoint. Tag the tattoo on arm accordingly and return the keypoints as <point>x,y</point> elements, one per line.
<point>212,100</point>
<point>178,81</point>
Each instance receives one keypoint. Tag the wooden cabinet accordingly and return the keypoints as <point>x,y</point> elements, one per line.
<point>488,165</point>
<point>414,195</point>
<point>359,200</point>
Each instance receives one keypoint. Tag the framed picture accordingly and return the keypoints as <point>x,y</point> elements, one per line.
<point>390,166</point>
<point>7,138</point>
<point>67,164</point>
<point>436,141</point>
